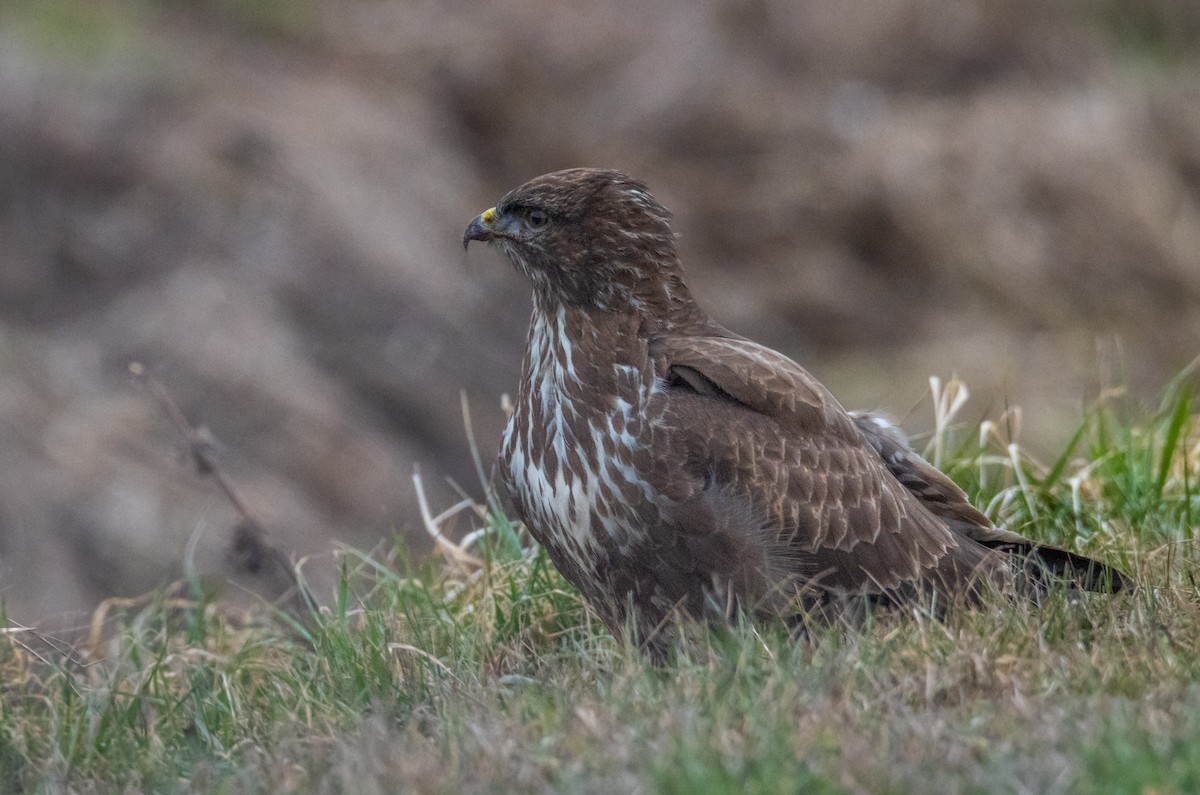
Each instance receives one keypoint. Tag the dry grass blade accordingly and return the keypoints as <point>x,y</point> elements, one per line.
<point>947,403</point>
<point>455,554</point>
<point>408,647</point>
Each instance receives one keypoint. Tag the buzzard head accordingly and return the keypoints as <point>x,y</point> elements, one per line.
<point>586,237</point>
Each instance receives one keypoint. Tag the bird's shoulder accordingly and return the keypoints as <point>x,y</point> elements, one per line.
<point>747,374</point>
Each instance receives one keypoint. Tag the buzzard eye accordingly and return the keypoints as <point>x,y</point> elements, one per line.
<point>537,219</point>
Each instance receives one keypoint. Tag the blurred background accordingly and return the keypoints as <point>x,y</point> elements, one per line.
<point>263,204</point>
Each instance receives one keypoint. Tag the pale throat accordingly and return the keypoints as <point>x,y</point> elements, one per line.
<point>584,354</point>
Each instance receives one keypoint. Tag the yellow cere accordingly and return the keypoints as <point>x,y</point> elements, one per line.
<point>489,215</point>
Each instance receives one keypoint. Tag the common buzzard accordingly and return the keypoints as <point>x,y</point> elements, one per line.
<point>668,464</point>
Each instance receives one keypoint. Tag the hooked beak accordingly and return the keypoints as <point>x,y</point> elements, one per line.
<point>483,228</point>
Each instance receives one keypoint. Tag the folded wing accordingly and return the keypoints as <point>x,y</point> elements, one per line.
<point>748,421</point>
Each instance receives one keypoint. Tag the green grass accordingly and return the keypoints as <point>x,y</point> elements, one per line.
<point>482,671</point>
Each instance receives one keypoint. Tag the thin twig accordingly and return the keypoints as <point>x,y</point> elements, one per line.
<point>251,546</point>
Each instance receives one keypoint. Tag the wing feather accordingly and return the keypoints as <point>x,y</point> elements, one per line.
<point>754,376</point>
<point>942,496</point>
<point>764,428</point>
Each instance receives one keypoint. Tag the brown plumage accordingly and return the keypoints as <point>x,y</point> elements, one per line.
<point>665,462</point>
